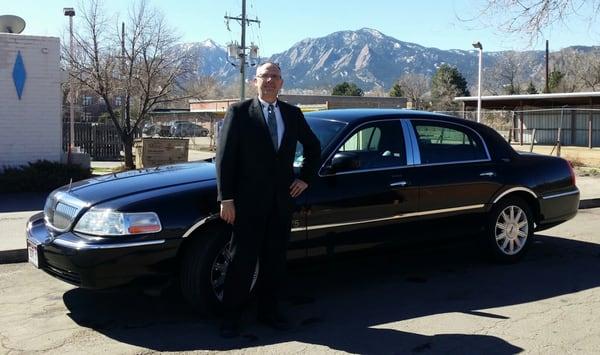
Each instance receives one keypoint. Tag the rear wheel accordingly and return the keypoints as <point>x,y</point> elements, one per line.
<point>510,229</point>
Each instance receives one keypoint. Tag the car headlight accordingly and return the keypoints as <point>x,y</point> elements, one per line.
<point>113,223</point>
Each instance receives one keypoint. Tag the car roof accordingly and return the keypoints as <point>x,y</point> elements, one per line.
<point>359,115</point>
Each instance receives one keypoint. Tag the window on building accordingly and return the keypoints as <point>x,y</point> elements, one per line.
<point>87,100</point>
<point>118,101</point>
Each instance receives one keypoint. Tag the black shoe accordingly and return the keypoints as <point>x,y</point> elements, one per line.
<point>229,329</point>
<point>275,320</point>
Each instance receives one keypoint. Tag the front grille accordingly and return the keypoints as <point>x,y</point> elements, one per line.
<point>61,209</point>
<point>63,215</point>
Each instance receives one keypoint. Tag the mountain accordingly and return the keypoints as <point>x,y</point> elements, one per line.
<point>208,58</point>
<point>370,59</point>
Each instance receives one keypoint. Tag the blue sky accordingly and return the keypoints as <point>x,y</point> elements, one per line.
<point>431,23</point>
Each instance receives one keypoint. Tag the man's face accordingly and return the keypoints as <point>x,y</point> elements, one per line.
<point>268,82</point>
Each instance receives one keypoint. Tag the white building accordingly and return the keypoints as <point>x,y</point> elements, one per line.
<point>30,99</point>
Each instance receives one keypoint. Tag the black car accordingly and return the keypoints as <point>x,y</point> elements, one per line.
<point>386,175</point>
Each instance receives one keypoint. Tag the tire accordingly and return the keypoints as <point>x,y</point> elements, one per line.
<point>203,269</point>
<point>509,229</point>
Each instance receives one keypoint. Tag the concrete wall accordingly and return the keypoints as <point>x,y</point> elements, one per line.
<point>30,127</point>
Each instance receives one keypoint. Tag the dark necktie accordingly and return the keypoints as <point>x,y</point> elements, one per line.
<point>272,122</point>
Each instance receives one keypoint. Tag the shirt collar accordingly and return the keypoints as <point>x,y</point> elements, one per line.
<point>266,104</point>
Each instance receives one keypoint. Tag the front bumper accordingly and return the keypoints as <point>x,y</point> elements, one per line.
<point>98,263</point>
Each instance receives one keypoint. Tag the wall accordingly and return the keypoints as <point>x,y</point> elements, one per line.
<point>30,127</point>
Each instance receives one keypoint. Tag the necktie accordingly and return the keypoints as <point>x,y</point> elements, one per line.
<point>272,122</point>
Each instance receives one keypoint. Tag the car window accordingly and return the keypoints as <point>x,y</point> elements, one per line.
<point>377,145</point>
<point>441,142</point>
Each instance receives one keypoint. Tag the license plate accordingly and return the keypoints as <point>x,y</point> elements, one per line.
<point>33,254</point>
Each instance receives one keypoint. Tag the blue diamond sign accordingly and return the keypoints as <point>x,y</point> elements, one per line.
<point>19,75</point>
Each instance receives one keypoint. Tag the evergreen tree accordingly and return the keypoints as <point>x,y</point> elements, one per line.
<point>531,88</point>
<point>555,79</point>
<point>347,89</point>
<point>446,84</point>
<point>397,91</point>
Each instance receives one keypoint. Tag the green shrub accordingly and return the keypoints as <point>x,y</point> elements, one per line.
<point>40,176</point>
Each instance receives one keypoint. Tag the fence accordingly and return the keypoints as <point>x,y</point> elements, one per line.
<point>100,141</point>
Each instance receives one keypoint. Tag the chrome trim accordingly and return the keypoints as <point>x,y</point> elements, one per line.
<point>576,191</point>
<point>416,152</point>
<point>513,189</point>
<point>64,198</point>
<point>488,173</point>
<point>367,170</point>
<point>401,216</point>
<point>84,246</point>
<point>408,143</point>
<point>298,229</point>
<point>398,183</point>
<point>200,223</point>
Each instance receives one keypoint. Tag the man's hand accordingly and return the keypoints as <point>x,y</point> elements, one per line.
<point>228,211</point>
<point>297,187</point>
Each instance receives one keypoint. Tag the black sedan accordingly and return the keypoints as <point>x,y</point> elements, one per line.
<point>386,176</point>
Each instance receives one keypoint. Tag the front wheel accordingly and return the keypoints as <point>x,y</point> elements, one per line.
<point>203,269</point>
<point>509,229</point>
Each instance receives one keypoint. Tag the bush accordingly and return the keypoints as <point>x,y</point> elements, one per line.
<point>40,176</point>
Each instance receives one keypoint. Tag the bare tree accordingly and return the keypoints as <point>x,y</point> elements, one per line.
<point>586,69</point>
<point>140,65</point>
<point>204,87</point>
<point>414,86</point>
<point>530,17</point>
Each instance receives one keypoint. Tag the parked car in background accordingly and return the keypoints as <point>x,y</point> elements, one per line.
<point>386,176</point>
<point>188,129</point>
<point>156,129</point>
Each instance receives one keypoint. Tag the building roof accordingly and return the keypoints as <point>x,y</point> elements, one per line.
<point>509,102</point>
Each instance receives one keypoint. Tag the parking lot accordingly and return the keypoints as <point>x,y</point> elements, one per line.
<point>443,299</point>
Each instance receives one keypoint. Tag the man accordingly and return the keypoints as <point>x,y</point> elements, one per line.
<point>256,187</point>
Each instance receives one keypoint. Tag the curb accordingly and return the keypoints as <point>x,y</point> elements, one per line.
<point>13,256</point>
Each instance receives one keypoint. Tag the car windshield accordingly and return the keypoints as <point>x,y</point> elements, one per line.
<point>325,130</point>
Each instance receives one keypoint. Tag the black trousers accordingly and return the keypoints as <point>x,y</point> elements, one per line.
<point>263,237</point>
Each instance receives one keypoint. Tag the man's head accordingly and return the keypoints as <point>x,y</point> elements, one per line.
<point>268,81</point>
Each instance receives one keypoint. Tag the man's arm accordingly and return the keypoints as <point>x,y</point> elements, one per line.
<point>312,150</point>
<point>226,157</point>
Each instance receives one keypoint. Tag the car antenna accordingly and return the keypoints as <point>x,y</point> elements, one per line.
<point>70,183</point>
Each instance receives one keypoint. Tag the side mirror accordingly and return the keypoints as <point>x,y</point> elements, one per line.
<point>344,161</point>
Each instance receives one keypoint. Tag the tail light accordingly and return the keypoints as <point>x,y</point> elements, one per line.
<point>572,171</point>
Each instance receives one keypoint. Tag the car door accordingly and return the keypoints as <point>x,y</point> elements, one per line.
<point>369,192</point>
<point>454,170</point>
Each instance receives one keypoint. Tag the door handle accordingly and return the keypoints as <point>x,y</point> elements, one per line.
<point>488,173</point>
<point>398,183</point>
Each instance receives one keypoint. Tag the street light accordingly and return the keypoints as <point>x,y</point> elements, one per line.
<point>480,48</point>
<point>69,11</point>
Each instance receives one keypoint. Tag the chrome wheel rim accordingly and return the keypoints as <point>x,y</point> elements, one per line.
<point>511,230</point>
<point>219,270</point>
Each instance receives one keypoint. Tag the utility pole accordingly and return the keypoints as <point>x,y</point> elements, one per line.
<point>70,12</point>
<point>239,52</point>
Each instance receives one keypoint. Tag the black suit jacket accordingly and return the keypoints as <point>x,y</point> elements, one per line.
<point>249,170</point>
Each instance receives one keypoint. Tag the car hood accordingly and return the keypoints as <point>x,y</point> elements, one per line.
<point>112,186</point>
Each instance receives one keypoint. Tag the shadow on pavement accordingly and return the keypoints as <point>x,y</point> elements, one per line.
<point>345,303</point>
<point>21,202</point>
